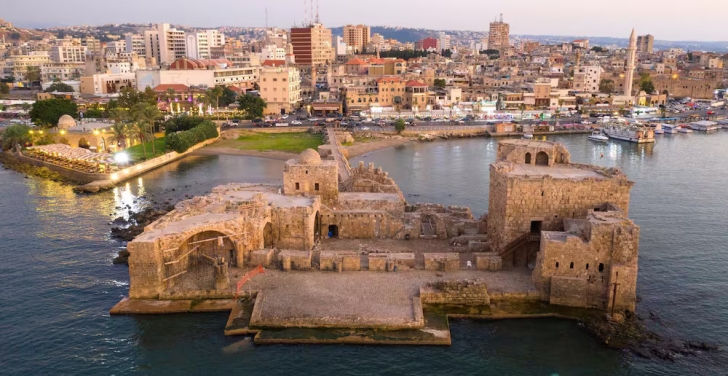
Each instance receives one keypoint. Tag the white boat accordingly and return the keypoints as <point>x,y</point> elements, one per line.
<point>633,133</point>
<point>658,129</point>
<point>705,126</point>
<point>598,136</point>
<point>669,129</point>
<point>527,136</point>
<point>684,129</point>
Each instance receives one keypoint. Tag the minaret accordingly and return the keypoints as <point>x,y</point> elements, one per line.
<point>629,74</point>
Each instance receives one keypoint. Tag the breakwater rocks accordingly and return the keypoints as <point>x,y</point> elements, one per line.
<point>426,137</point>
<point>630,333</point>
<point>9,161</point>
<point>126,229</point>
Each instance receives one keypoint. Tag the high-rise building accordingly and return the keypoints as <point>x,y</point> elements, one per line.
<point>645,43</point>
<point>312,45</point>
<point>444,41</point>
<point>68,52</point>
<point>498,38</point>
<point>199,44</point>
<point>629,73</point>
<point>135,43</point>
<point>165,44</point>
<point>357,36</point>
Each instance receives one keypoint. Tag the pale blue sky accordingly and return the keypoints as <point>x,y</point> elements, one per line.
<point>668,20</point>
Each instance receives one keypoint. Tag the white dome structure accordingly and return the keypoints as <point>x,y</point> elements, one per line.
<point>66,121</point>
<point>309,157</point>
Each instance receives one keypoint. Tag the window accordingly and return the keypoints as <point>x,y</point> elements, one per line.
<point>571,266</point>
<point>601,267</point>
<point>298,186</point>
<point>316,186</point>
<point>587,266</point>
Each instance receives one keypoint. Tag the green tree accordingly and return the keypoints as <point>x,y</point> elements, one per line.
<point>214,94</point>
<point>8,79</point>
<point>646,84</point>
<point>147,114</point>
<point>128,97</point>
<point>32,74</point>
<point>15,135</point>
<point>149,96</point>
<point>47,112</point>
<point>119,134</point>
<point>446,53</point>
<point>598,49</point>
<point>140,131</point>
<point>399,126</point>
<point>253,106</point>
<point>606,86</point>
<point>4,89</point>
<point>170,94</point>
<point>60,87</point>
<point>440,82</point>
<point>228,97</point>
<point>15,36</point>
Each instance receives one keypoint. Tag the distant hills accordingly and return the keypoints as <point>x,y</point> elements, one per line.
<point>404,34</point>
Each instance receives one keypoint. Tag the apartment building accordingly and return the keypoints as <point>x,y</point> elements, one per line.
<point>61,71</point>
<point>165,44</point>
<point>280,87</point>
<point>68,52</point>
<point>645,44</point>
<point>498,37</point>
<point>312,45</point>
<point>19,65</point>
<point>586,78</point>
<point>199,44</point>
<point>135,43</point>
<point>357,36</point>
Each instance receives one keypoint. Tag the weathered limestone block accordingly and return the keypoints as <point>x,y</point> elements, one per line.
<point>261,257</point>
<point>340,260</point>
<point>470,293</point>
<point>297,260</point>
<point>442,261</point>
<point>222,278</point>
<point>388,261</point>
<point>568,291</point>
<point>488,261</point>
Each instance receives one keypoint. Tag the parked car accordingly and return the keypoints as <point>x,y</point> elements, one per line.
<point>313,119</point>
<point>365,128</point>
<point>296,122</point>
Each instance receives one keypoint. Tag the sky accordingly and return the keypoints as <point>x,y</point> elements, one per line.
<point>699,20</point>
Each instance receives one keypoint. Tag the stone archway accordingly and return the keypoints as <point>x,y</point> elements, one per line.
<point>201,261</point>
<point>268,235</point>
<point>542,159</point>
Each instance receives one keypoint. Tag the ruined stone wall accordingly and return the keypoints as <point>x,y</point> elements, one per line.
<point>301,179</point>
<point>469,293</point>
<point>362,225</point>
<point>294,227</point>
<point>587,261</point>
<point>370,179</point>
<point>525,152</point>
<point>517,201</point>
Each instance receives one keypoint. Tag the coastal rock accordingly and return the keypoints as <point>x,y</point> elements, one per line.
<point>122,258</point>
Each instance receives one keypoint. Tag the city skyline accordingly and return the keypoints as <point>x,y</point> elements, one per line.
<point>568,19</point>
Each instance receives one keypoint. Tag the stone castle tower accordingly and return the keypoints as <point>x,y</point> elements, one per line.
<point>629,74</point>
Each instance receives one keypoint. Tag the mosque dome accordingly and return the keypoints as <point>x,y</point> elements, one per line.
<point>309,157</point>
<point>66,121</point>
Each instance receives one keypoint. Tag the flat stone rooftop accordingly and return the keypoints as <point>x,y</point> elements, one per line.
<point>300,298</point>
<point>367,196</point>
<point>558,171</point>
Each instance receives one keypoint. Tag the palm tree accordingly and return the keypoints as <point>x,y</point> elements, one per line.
<point>119,133</point>
<point>147,114</point>
<point>119,115</point>
<point>170,93</point>
<point>139,130</point>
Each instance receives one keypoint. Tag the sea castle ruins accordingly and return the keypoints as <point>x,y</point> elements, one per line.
<point>340,248</point>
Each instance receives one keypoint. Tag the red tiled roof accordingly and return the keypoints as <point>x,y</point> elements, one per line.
<point>356,61</point>
<point>176,87</point>
<point>273,63</point>
<point>412,83</point>
<point>396,79</point>
<point>375,61</point>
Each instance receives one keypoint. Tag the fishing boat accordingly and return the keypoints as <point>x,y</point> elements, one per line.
<point>658,128</point>
<point>633,133</point>
<point>684,129</point>
<point>669,129</point>
<point>705,126</point>
<point>598,136</point>
<point>527,136</point>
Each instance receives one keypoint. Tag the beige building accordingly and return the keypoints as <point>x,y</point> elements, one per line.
<point>68,52</point>
<point>498,36</point>
<point>165,44</point>
<point>357,36</point>
<point>18,65</point>
<point>61,71</point>
<point>280,87</point>
<point>586,78</point>
<point>312,45</point>
<point>645,44</point>
<point>106,83</point>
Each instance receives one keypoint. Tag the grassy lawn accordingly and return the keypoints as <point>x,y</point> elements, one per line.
<point>136,153</point>
<point>288,142</point>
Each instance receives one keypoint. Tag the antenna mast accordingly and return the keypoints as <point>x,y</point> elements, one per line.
<point>305,14</point>
<point>266,17</point>
<point>317,11</point>
<point>501,17</point>
<point>311,14</point>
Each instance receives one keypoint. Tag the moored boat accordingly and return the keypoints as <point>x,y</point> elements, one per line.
<point>598,136</point>
<point>669,129</point>
<point>684,129</point>
<point>633,133</point>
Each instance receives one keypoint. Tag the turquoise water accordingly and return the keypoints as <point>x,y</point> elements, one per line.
<point>58,281</point>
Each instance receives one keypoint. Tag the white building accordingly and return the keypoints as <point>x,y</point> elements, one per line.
<point>200,43</point>
<point>587,77</point>
<point>444,41</point>
<point>340,46</point>
<point>115,47</point>
<point>165,44</point>
<point>17,65</point>
<point>67,52</point>
<point>242,77</point>
<point>50,72</point>
<point>135,43</point>
<point>272,52</point>
<point>106,83</point>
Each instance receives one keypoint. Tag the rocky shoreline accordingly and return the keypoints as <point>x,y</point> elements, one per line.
<point>126,229</point>
<point>631,333</point>
<point>10,162</point>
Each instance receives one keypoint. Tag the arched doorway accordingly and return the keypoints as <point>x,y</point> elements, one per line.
<point>542,159</point>
<point>317,226</point>
<point>268,236</point>
<point>194,263</point>
<point>528,158</point>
